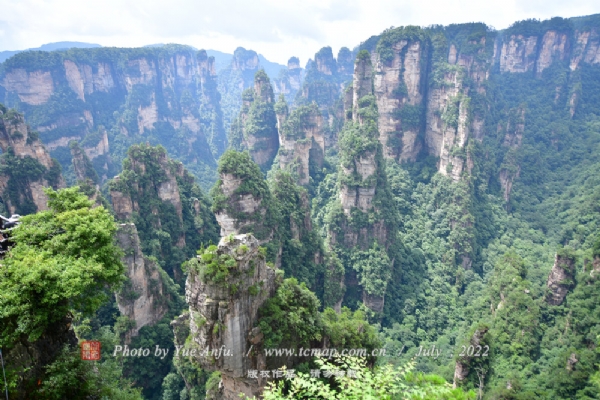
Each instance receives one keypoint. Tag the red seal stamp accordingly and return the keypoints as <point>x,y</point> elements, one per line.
<point>90,350</point>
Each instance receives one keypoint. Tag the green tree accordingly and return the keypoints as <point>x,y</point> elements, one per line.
<point>63,263</point>
<point>62,260</point>
<point>380,383</point>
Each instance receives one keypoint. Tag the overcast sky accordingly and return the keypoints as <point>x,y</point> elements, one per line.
<point>278,29</point>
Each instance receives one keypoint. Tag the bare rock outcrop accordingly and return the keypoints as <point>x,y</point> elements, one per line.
<point>362,188</point>
<point>560,280</point>
<point>26,160</point>
<point>242,203</point>
<point>361,169</point>
<point>362,83</point>
<point>325,62</point>
<point>150,174</point>
<point>255,128</point>
<point>586,48</point>
<point>24,142</point>
<point>155,88</point>
<point>32,87</point>
<point>143,298</point>
<point>554,46</point>
<point>301,141</point>
<point>244,60</point>
<point>518,54</point>
<point>513,138</point>
<point>295,73</point>
<point>399,91</point>
<point>82,166</point>
<point>325,79</point>
<point>289,81</point>
<point>223,313</point>
<point>462,367</point>
<point>449,118</point>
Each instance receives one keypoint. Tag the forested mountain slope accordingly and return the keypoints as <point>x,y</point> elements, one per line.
<point>110,98</point>
<point>434,191</point>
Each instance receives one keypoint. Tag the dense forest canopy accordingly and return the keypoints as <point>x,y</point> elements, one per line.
<point>433,192</point>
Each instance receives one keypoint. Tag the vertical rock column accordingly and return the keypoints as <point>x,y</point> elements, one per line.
<point>398,87</point>
<point>364,221</point>
<point>27,164</point>
<point>300,138</point>
<point>224,310</point>
<point>143,298</point>
<point>242,200</point>
<point>560,280</point>
<point>255,128</point>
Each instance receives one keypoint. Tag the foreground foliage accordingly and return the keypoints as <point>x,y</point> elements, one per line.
<point>61,266</point>
<point>62,260</point>
<point>381,383</point>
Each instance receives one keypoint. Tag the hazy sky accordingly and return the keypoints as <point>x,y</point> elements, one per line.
<point>278,29</point>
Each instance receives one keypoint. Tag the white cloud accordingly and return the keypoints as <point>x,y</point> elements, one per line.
<point>275,28</point>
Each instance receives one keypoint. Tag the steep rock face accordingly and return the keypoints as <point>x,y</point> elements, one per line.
<point>28,166</point>
<point>454,135</point>
<point>518,53</point>
<point>166,188</point>
<point>345,61</point>
<point>289,81</point>
<point>295,73</point>
<point>301,141</point>
<point>325,80</point>
<point>554,46</point>
<point>324,61</point>
<point>167,206</point>
<point>144,298</point>
<point>241,198</point>
<point>431,86</point>
<point>510,170</point>
<point>220,316</point>
<point>423,89</point>
<point>255,129</point>
<point>82,166</point>
<point>243,203</point>
<point>32,87</point>
<point>362,166</point>
<point>168,92</point>
<point>362,83</point>
<point>399,90</point>
<point>359,197</point>
<point>97,149</point>
<point>358,228</point>
<point>244,61</point>
<point>560,280</point>
<point>522,53</point>
<point>461,367</point>
<point>449,115</point>
<point>586,48</point>
<point>233,80</point>
<point>18,136</point>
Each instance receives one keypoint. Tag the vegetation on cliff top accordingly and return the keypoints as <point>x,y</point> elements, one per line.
<point>158,223</point>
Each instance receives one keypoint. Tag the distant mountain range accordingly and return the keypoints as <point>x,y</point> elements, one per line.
<point>4,55</point>
<point>222,60</point>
